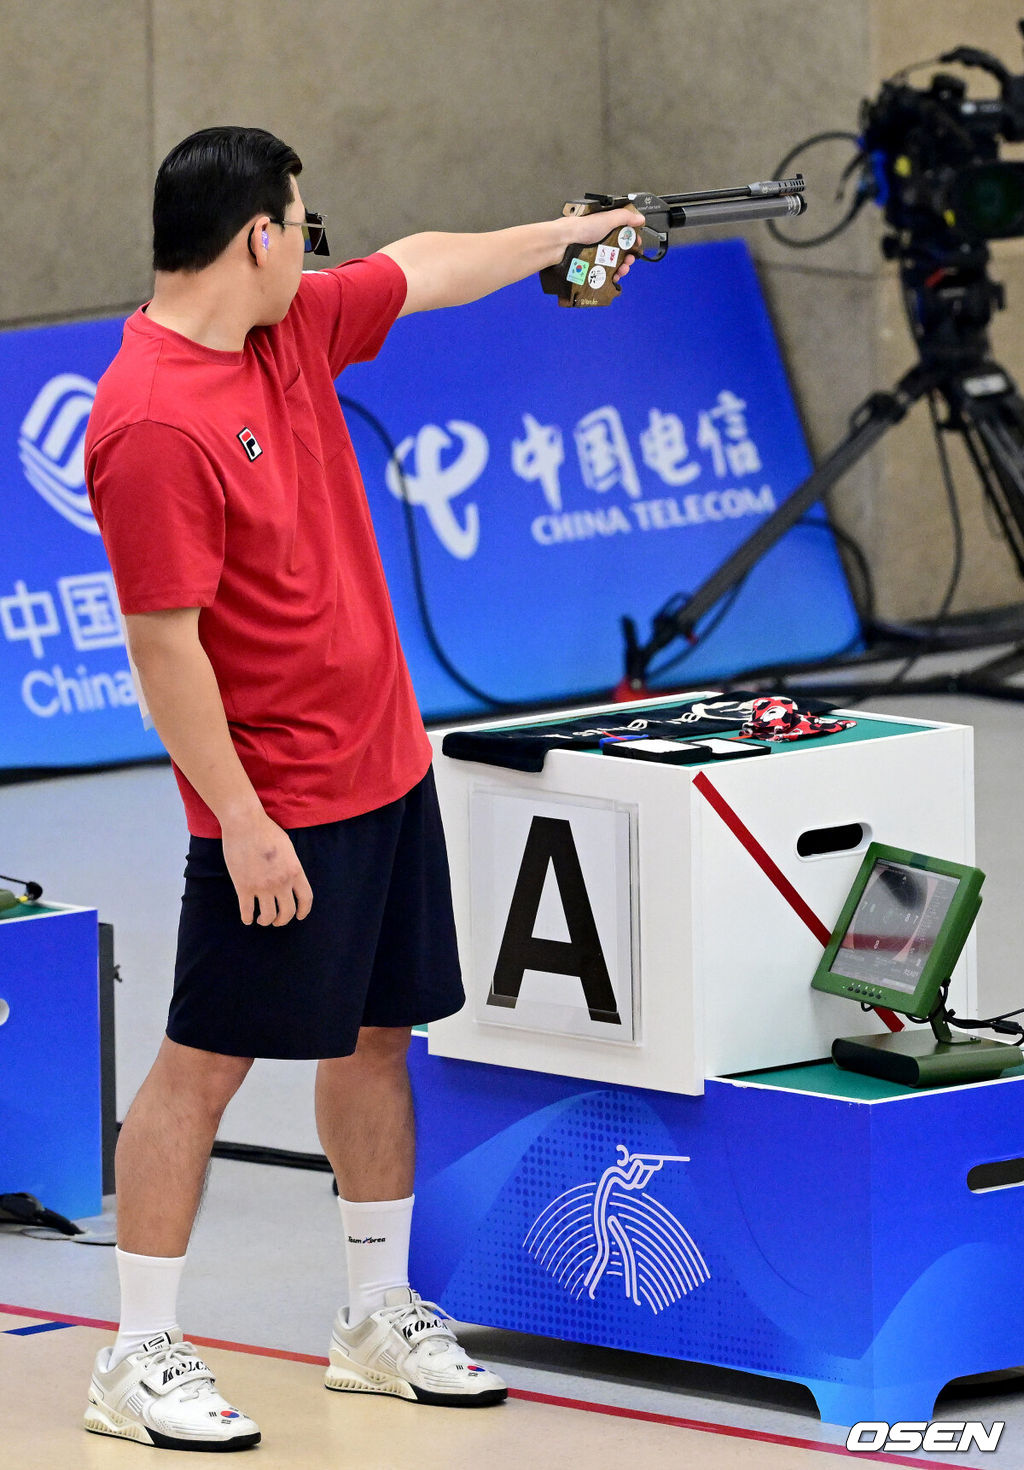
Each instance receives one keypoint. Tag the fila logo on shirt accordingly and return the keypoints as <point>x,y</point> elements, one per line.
<point>249,443</point>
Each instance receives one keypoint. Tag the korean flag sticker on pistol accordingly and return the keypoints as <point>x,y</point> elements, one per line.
<point>577,272</point>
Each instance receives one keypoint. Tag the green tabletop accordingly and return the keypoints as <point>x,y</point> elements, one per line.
<point>833,1081</point>
<point>26,911</point>
<point>863,729</point>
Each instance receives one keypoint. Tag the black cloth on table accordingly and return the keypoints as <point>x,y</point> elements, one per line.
<point>523,747</point>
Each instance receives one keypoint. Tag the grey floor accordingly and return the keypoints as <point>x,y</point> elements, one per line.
<point>265,1268</point>
<point>265,1263</point>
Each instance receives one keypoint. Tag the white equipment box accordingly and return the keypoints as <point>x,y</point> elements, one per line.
<point>654,925</point>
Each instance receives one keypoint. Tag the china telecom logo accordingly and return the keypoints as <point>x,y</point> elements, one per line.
<point>51,445</point>
<point>614,1230</point>
<point>436,480</point>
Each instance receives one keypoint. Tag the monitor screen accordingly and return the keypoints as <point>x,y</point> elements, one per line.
<point>893,930</point>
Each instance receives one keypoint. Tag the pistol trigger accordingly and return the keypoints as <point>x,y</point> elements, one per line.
<point>649,238</point>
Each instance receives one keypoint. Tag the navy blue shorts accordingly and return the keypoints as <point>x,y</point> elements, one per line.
<point>376,949</point>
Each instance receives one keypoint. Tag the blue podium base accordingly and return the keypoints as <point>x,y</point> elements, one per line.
<point>50,1115</point>
<point>828,1240</point>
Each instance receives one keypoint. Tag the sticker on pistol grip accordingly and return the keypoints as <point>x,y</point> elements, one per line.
<point>577,272</point>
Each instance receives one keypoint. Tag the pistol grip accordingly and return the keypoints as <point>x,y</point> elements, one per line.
<point>583,277</point>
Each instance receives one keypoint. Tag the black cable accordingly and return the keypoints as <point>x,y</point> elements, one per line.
<point>989,1021</point>
<point>865,602</point>
<point>278,1158</point>
<point>1002,1024</point>
<point>866,610</point>
<point>719,616</point>
<point>929,643</point>
<point>938,1009</point>
<point>904,71</point>
<point>417,568</point>
<point>678,600</point>
<point>860,195</point>
<point>864,596</point>
<point>965,1023</point>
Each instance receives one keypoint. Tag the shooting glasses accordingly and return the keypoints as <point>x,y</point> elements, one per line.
<point>314,233</point>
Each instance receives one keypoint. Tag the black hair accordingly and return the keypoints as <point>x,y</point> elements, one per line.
<point>210,185</point>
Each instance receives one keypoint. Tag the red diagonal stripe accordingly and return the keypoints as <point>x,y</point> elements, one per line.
<point>767,864</point>
<point>889,1017</point>
<point>776,876</point>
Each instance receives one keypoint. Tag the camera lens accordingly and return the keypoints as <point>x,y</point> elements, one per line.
<point>987,200</point>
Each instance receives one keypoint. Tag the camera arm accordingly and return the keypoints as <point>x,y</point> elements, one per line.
<point>1011,88</point>
<point>984,60</point>
<point>584,275</point>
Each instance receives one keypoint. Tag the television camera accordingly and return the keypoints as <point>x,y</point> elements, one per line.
<point>930,159</point>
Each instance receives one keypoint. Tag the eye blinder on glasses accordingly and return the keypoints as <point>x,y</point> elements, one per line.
<point>314,234</point>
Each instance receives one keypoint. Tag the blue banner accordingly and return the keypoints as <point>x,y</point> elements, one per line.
<point>568,467</point>
<point>66,695</point>
<point>560,469</point>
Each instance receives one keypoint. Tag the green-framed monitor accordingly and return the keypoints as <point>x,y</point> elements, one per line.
<point>902,928</point>
<point>901,931</point>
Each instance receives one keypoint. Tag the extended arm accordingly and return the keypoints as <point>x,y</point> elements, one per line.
<point>184,700</point>
<point>452,270</point>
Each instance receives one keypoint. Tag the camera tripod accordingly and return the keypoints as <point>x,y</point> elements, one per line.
<point>950,303</point>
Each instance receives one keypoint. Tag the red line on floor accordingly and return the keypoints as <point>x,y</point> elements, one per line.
<point>702,1426</point>
<point>215,1342</point>
<point>733,1431</point>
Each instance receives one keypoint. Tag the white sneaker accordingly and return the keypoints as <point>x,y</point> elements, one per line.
<point>405,1349</point>
<point>164,1395</point>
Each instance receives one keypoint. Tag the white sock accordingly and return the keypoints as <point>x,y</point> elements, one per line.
<point>149,1300</point>
<point>376,1251</point>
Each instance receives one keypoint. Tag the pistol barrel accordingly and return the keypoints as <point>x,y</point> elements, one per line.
<point>764,189</point>
<point>734,211</point>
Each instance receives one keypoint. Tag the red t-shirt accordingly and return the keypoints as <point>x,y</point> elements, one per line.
<point>227,481</point>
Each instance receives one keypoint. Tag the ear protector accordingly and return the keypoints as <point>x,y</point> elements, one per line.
<point>266,239</point>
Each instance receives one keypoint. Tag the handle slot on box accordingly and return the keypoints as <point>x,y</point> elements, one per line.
<point>1001,1174</point>
<point>820,841</point>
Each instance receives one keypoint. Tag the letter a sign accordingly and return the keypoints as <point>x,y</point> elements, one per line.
<point>552,916</point>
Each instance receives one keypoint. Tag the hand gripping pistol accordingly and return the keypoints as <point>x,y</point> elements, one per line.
<point>585,274</point>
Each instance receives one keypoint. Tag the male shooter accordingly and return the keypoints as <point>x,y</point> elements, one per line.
<point>316,919</point>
